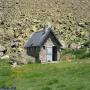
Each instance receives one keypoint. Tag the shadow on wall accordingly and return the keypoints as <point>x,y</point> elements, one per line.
<point>34,53</point>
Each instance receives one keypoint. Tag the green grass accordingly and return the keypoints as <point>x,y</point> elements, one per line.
<point>5,72</point>
<point>61,76</point>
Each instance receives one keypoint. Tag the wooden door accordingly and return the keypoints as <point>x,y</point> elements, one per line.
<point>49,54</point>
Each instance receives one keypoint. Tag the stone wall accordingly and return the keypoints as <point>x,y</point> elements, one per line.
<point>42,55</point>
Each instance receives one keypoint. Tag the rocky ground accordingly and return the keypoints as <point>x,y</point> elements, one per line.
<point>70,20</point>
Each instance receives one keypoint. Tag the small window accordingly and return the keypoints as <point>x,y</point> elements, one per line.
<point>43,47</point>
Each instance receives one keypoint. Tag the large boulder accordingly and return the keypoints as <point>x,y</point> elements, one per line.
<point>2,50</point>
<point>1,54</point>
<point>64,45</point>
<point>5,57</point>
<point>75,46</point>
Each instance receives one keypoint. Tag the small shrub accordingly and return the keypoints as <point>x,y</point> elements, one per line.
<point>53,82</point>
<point>46,88</point>
<point>73,54</point>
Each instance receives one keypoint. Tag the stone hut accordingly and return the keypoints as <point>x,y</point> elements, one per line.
<point>43,46</point>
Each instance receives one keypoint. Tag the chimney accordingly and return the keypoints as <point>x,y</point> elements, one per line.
<point>46,28</point>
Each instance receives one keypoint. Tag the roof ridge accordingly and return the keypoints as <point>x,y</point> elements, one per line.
<point>39,31</point>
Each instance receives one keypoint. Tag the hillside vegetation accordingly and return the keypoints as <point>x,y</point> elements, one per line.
<point>70,20</point>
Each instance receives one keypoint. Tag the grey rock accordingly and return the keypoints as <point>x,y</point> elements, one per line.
<point>5,57</point>
<point>2,48</point>
<point>1,54</point>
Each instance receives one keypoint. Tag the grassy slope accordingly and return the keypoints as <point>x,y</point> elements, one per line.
<point>62,76</point>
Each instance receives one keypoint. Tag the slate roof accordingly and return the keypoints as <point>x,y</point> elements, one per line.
<point>38,38</point>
